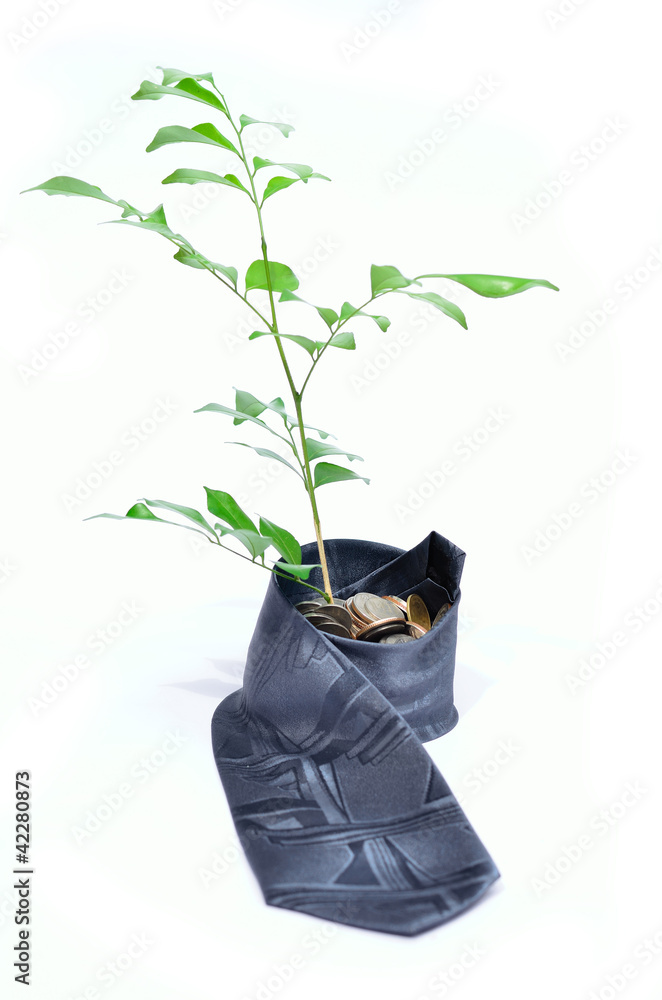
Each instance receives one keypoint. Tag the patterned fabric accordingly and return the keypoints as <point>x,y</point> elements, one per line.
<point>339,808</point>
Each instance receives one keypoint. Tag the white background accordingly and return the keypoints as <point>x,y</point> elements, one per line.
<point>562,921</point>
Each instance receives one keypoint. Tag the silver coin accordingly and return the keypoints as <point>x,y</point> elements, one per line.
<point>357,606</point>
<point>379,607</point>
<point>339,601</point>
<point>397,601</point>
<point>372,608</point>
<point>318,618</point>
<point>396,639</point>
<point>444,609</point>
<point>338,614</point>
<point>335,628</point>
<point>375,631</point>
<point>356,619</point>
<point>312,605</point>
<point>415,630</point>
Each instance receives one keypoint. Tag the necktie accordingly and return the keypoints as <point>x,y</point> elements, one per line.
<point>339,808</point>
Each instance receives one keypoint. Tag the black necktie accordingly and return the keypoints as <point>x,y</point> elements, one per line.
<point>339,808</point>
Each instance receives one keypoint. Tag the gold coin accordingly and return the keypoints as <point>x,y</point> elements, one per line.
<point>417,611</point>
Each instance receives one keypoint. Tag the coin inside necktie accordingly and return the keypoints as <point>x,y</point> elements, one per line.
<point>443,610</point>
<point>377,630</point>
<point>312,605</point>
<point>338,613</point>
<point>417,612</point>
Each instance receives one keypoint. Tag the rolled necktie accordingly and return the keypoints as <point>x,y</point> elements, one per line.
<point>338,806</point>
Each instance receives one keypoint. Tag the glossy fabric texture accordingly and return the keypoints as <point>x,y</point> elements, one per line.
<point>339,808</point>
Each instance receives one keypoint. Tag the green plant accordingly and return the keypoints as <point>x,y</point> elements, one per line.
<point>309,451</point>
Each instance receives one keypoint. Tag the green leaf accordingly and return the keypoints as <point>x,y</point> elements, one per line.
<point>278,407</point>
<point>282,540</point>
<point>316,449</point>
<point>494,286</point>
<point>383,322</point>
<point>246,402</point>
<point>245,120</point>
<point>348,310</point>
<point>302,170</point>
<point>222,529</point>
<point>72,186</point>
<point>129,209</point>
<point>228,411</point>
<point>267,453</point>
<point>249,402</point>
<point>175,75</point>
<point>443,305</point>
<point>325,473</point>
<point>225,507</point>
<point>302,572</point>
<point>384,277</point>
<point>322,434</point>
<point>252,540</point>
<point>282,277</point>
<point>188,512</point>
<point>312,346</point>
<point>277,184</point>
<point>197,260</point>
<point>141,512</point>
<point>185,176</point>
<point>344,339</point>
<point>156,222</point>
<point>328,315</point>
<point>206,133</point>
<point>187,86</point>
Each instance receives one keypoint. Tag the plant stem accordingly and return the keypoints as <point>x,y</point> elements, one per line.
<point>296,396</point>
<point>313,501</point>
<point>334,332</point>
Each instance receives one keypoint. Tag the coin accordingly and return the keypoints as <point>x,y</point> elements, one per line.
<point>375,631</point>
<point>444,609</point>
<point>417,611</point>
<point>379,608</point>
<point>396,639</point>
<point>335,628</point>
<point>415,631</point>
<point>338,614</point>
<point>312,605</point>
<point>371,608</point>
<point>356,621</point>
<point>318,618</point>
<point>349,604</point>
<point>358,607</point>
<point>399,603</point>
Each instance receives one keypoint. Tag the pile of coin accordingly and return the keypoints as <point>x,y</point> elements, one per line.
<point>388,619</point>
